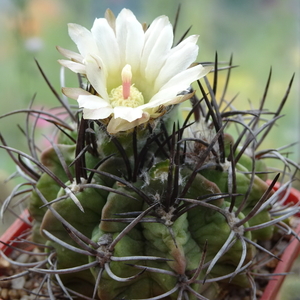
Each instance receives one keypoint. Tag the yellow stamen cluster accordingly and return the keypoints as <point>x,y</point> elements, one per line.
<point>134,100</point>
<point>126,94</point>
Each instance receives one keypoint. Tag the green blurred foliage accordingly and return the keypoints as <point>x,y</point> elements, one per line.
<point>259,34</point>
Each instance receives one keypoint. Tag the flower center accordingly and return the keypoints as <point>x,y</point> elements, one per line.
<point>126,94</point>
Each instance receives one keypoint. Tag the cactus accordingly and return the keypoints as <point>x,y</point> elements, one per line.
<point>146,203</point>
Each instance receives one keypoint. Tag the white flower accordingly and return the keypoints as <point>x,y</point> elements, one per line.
<point>134,72</point>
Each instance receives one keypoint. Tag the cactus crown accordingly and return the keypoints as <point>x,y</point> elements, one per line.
<point>166,208</point>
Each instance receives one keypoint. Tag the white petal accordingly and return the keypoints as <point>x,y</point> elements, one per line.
<point>157,48</point>
<point>73,66</point>
<point>96,114</point>
<point>74,93</point>
<point>130,37</point>
<point>96,74</point>
<point>128,113</point>
<point>117,125</point>
<point>152,106</point>
<point>153,31</point>
<point>179,59</point>
<point>164,96</point>
<point>181,82</point>
<point>164,100</point>
<point>83,38</point>
<point>70,54</point>
<point>192,39</point>
<point>92,102</point>
<point>108,47</point>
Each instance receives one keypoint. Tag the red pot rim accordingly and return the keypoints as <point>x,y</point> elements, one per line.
<point>287,259</point>
<point>289,256</point>
<point>18,226</point>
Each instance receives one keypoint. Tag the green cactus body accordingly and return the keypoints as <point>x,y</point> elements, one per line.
<point>47,185</point>
<point>117,203</point>
<point>92,201</point>
<point>184,255</point>
<point>79,281</point>
<point>129,245</point>
<point>181,241</point>
<point>257,190</point>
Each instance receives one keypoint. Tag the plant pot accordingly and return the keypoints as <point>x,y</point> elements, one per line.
<point>288,257</point>
<point>14,231</point>
<point>272,289</point>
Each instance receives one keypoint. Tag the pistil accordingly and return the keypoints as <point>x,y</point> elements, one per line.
<point>126,81</point>
<point>127,94</point>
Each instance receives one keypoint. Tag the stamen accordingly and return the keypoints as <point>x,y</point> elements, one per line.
<point>126,81</point>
